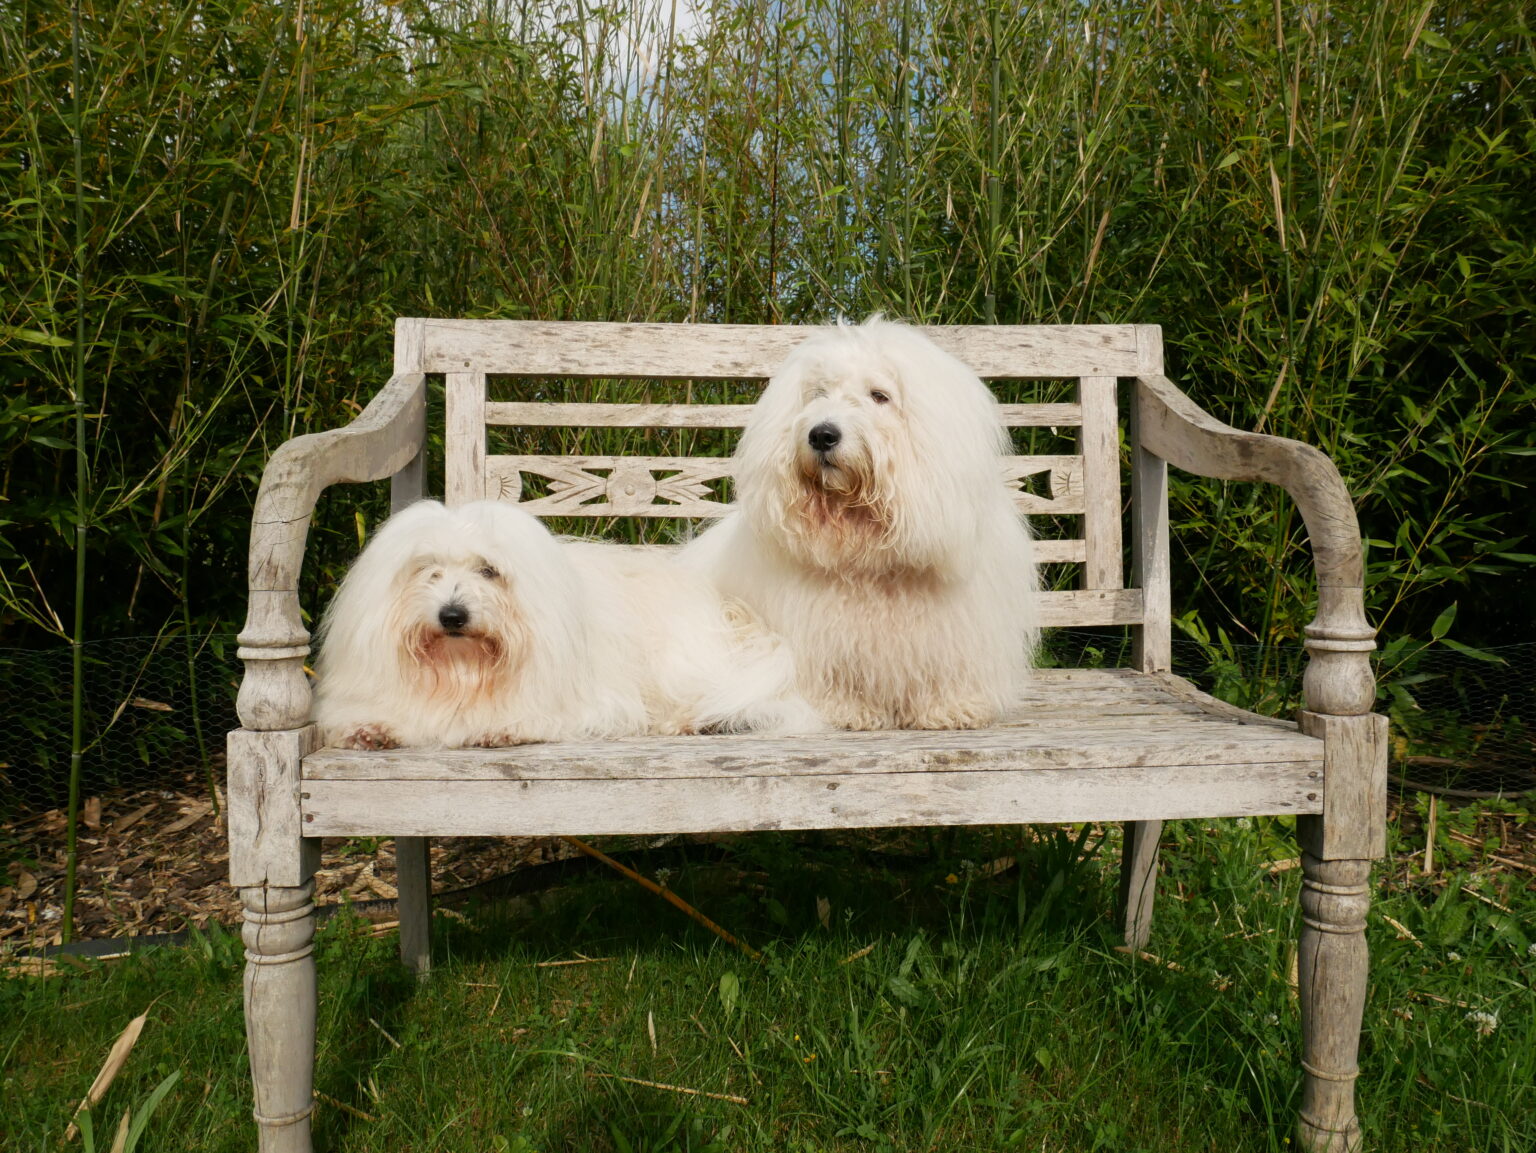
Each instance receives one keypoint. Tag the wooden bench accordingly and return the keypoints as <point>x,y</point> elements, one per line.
<point>1138,745</point>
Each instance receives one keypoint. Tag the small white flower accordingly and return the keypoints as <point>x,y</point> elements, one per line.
<point>1244,823</point>
<point>1453,957</point>
<point>1530,950</point>
<point>662,875</point>
<point>1271,1018</point>
<point>1484,1023</point>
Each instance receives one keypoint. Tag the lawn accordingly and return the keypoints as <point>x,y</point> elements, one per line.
<point>946,991</point>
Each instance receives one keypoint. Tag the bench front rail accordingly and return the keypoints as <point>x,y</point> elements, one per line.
<point>1135,745</point>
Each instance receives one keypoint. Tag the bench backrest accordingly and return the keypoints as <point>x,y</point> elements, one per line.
<point>1083,486</point>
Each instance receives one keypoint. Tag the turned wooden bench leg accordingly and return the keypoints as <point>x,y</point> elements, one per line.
<point>1138,880</point>
<point>273,864</point>
<point>1337,848</point>
<point>279,937</point>
<point>413,880</point>
<point>1332,983</point>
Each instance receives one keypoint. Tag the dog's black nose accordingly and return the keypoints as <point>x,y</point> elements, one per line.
<point>453,617</point>
<point>824,436</point>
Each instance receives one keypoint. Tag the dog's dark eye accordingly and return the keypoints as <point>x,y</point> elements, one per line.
<point>879,397</point>
<point>489,573</point>
<point>434,575</point>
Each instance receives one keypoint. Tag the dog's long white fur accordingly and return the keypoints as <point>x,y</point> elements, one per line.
<point>559,640</point>
<point>895,564</point>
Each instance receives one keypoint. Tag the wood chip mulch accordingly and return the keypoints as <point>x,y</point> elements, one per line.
<point>157,861</point>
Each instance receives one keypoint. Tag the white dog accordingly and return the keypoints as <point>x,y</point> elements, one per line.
<point>875,532</point>
<point>475,626</point>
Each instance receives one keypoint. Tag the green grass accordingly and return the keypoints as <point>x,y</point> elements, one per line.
<point>990,1014</point>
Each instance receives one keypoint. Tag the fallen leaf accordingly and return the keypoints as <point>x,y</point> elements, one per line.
<point>197,814</point>
<point>92,813</point>
<point>123,822</point>
<point>26,885</point>
<point>117,1056</point>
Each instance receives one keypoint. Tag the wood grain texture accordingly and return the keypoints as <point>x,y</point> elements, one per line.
<point>1138,880</point>
<point>1149,350</point>
<point>550,414</point>
<point>280,1004</point>
<point>274,694</point>
<point>1332,971</point>
<point>1149,551</point>
<point>1081,742</point>
<point>1099,447</point>
<point>378,443</point>
<point>410,344</point>
<point>752,352</point>
<point>794,801</point>
<point>1338,679</point>
<point>464,438</point>
<point>1085,719</point>
<point>1065,551</point>
<point>1175,428</point>
<point>267,843</point>
<point>413,880</point>
<point>409,485</point>
<point>1354,818</point>
<point>1073,608</point>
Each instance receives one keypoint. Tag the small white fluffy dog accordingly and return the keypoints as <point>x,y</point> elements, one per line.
<point>475,626</point>
<point>876,534</point>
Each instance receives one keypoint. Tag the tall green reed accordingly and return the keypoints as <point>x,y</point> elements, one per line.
<point>1321,205</point>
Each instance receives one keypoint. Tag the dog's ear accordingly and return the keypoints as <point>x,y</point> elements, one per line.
<point>765,448</point>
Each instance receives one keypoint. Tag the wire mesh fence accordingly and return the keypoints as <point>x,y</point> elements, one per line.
<point>156,710</point>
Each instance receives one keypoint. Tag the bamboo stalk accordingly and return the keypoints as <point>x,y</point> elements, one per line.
<point>82,474</point>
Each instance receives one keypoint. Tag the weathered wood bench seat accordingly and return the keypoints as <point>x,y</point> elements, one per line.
<point>1137,745</point>
<point>1089,745</point>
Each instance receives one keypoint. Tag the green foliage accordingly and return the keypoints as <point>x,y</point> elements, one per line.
<point>914,1014</point>
<point>133,1125</point>
<point>1327,214</point>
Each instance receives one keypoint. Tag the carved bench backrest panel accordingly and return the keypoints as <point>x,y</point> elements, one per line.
<point>1083,485</point>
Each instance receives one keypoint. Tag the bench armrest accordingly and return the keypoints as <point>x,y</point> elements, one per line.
<point>1174,428</point>
<point>379,443</point>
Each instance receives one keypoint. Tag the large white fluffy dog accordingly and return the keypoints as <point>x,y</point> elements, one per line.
<point>475,626</point>
<point>876,534</point>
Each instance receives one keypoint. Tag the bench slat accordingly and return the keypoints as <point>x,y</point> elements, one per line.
<point>553,414</point>
<point>335,808</point>
<point>752,352</point>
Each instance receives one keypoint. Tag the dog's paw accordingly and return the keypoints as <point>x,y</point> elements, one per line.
<point>953,715</point>
<point>370,737</point>
<point>858,717</point>
<point>499,740</point>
